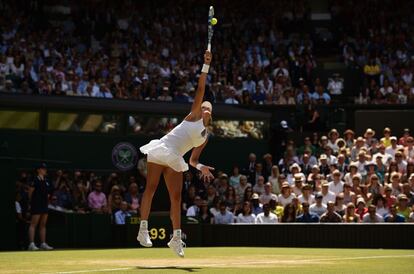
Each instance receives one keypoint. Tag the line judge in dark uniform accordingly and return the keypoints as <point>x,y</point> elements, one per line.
<point>39,199</point>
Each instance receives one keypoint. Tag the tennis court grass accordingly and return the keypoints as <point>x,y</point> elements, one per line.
<point>210,260</point>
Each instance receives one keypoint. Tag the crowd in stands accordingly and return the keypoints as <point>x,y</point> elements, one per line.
<point>85,192</point>
<point>346,178</point>
<point>262,53</point>
<point>379,42</point>
<point>335,178</point>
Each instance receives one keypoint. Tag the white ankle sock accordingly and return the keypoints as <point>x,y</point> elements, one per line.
<point>177,233</point>
<point>143,225</point>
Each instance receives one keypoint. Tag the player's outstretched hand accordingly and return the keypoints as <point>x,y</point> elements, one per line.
<point>206,173</point>
<point>207,57</point>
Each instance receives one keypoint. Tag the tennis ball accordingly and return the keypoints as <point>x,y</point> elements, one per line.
<point>213,21</point>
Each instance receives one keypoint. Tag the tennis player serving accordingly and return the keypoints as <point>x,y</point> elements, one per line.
<point>165,156</point>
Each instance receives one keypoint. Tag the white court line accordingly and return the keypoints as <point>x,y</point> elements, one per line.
<point>241,263</point>
<point>90,270</point>
<point>318,260</point>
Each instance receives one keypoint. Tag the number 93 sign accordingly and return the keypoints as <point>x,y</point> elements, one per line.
<point>157,233</point>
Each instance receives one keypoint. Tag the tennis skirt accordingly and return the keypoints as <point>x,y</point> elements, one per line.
<point>159,153</point>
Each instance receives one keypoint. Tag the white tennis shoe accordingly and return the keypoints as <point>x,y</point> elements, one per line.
<point>144,239</point>
<point>32,247</point>
<point>177,245</point>
<point>45,246</point>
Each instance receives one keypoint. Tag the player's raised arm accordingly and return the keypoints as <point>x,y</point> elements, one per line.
<point>198,100</point>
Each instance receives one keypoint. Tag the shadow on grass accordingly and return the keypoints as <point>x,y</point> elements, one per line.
<point>186,269</point>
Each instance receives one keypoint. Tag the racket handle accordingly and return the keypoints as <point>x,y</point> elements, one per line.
<point>209,47</point>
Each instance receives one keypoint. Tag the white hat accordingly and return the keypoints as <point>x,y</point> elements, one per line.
<point>284,124</point>
<point>360,200</point>
<point>295,165</point>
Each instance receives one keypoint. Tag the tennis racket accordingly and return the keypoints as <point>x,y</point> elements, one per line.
<point>210,27</point>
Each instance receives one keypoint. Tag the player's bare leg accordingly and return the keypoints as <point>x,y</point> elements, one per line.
<point>174,182</point>
<point>153,179</point>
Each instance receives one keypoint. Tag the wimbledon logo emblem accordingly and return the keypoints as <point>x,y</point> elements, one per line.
<point>124,156</point>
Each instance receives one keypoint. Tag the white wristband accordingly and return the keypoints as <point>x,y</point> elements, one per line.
<point>199,166</point>
<point>205,68</point>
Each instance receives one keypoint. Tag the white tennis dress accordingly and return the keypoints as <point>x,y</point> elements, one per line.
<point>170,149</point>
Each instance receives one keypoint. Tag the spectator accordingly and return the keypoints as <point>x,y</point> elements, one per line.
<point>286,196</point>
<point>339,204</point>
<point>396,186</point>
<point>394,216</point>
<point>246,216</point>
<point>411,219</point>
<point>337,185</point>
<point>80,202</point>
<point>257,208</point>
<point>349,196</point>
<point>194,210</point>
<point>318,207</point>
<point>379,202</point>
<point>297,188</point>
<point>224,216</point>
<point>306,195</point>
<point>265,197</point>
<point>321,96</point>
<point>335,84</point>
<point>230,198</point>
<point>389,198</point>
<point>248,194</point>
<point>259,187</point>
<point>307,216</point>
<point>235,177</point>
<point>274,180</point>
<point>386,140</point>
<point>373,185</point>
<point>64,196</point>
<point>54,205</point>
<point>97,199</point>
<point>215,209</point>
<point>241,187</point>
<point>361,209</point>
<point>330,216</point>
<point>189,197</point>
<point>372,216</point>
<point>211,195</point>
<point>407,192</point>
<point>350,216</point>
<point>115,203</point>
<point>402,207</point>
<point>324,166</point>
<point>122,214</point>
<point>289,214</point>
<point>327,196</point>
<point>204,215</point>
<point>266,217</point>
